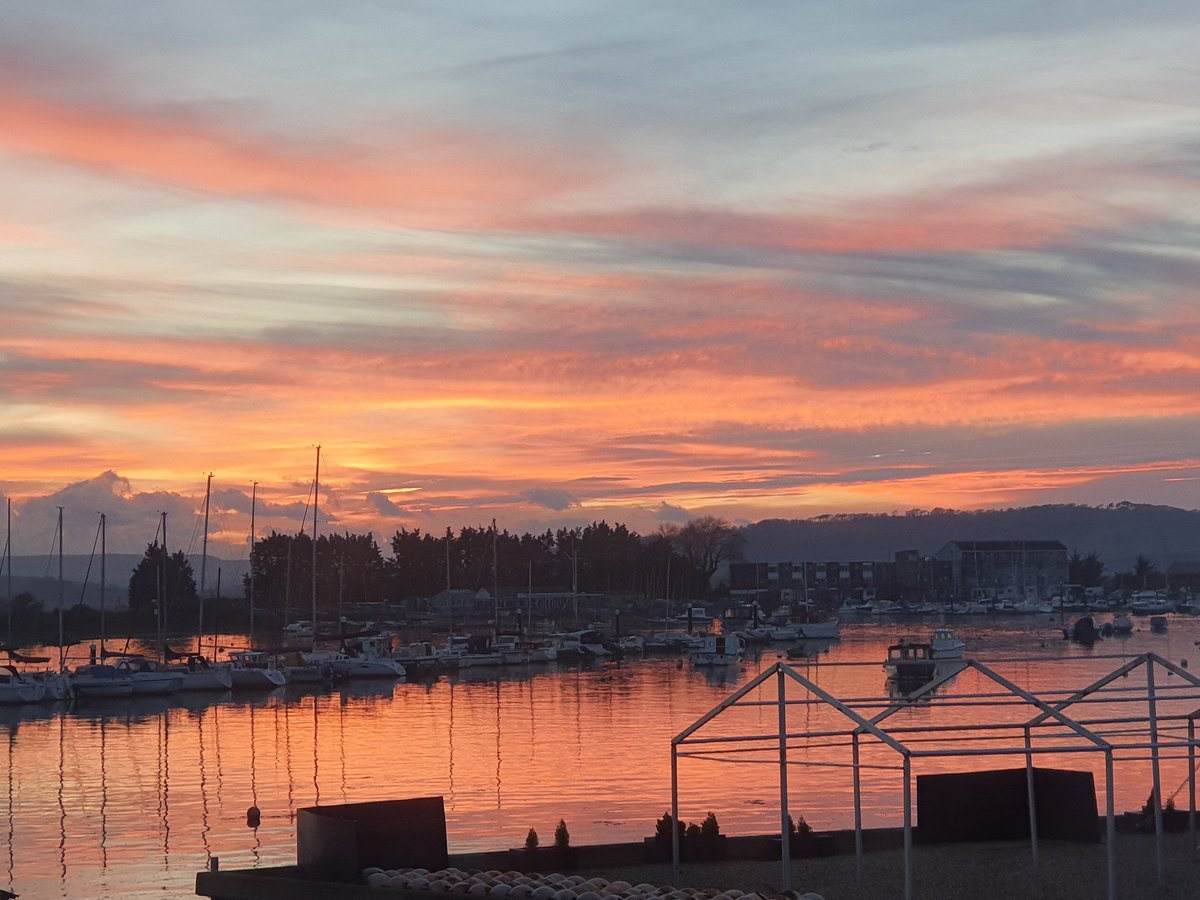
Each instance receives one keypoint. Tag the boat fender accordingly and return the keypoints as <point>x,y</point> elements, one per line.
<point>253,817</point>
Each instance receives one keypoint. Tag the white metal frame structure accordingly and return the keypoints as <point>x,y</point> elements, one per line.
<point>1082,734</point>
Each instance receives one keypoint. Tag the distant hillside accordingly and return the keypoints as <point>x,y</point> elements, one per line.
<point>1118,533</point>
<point>39,576</point>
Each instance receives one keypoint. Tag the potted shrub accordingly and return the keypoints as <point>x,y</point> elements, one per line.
<point>804,842</point>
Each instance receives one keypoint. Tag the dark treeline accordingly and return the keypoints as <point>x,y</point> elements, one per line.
<point>351,568</point>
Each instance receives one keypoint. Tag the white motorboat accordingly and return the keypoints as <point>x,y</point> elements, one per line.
<point>147,677</point>
<point>17,688</point>
<point>718,650</point>
<point>300,629</point>
<point>254,670</point>
<point>373,659</point>
<point>946,645</point>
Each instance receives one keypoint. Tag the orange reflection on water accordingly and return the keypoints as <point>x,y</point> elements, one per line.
<point>121,799</point>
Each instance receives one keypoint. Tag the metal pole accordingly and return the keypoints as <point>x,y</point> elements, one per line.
<point>1192,782</point>
<point>1110,824</point>
<point>1032,799</point>
<point>858,837</point>
<point>1160,862</point>
<point>785,839</point>
<point>674,815</point>
<point>907,827</point>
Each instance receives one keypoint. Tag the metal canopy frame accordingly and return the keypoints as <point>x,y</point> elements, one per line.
<point>1047,714</point>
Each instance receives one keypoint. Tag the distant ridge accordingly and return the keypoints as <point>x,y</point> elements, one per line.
<point>1118,532</point>
<point>39,576</point>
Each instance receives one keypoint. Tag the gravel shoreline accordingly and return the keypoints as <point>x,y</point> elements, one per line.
<point>982,871</point>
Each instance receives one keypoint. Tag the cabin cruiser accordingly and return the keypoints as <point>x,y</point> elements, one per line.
<point>910,662</point>
<point>945,645</point>
<point>371,657</point>
<point>718,650</point>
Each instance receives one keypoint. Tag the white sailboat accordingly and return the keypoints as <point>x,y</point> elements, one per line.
<point>197,672</point>
<point>313,667</point>
<point>253,669</point>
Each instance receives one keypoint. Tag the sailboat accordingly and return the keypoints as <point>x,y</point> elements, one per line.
<point>145,677</point>
<point>199,674</point>
<point>15,687</point>
<point>253,669</point>
<point>312,667</point>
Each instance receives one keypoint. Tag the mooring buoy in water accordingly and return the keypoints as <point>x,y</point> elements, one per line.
<point>253,816</point>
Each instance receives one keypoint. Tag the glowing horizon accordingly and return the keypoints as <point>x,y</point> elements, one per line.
<point>558,268</point>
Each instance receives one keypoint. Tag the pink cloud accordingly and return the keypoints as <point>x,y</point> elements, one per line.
<point>426,175</point>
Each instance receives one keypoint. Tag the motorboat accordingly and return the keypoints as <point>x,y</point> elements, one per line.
<point>17,688</point>
<point>512,650</point>
<point>417,656</point>
<point>254,670</point>
<point>299,629</point>
<point>946,645</point>
<point>373,659</point>
<point>632,643</point>
<point>718,650</point>
<point>148,677</point>
<point>1158,624</point>
<point>1122,625</point>
<point>1149,603</point>
<point>911,662</point>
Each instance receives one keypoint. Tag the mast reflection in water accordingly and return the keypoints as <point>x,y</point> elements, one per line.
<point>126,798</point>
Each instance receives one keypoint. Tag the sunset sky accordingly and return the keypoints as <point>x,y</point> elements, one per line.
<point>554,262</point>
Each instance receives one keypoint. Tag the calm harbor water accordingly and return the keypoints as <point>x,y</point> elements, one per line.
<point>128,799</point>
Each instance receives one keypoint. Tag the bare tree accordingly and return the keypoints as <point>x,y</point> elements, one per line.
<point>708,542</point>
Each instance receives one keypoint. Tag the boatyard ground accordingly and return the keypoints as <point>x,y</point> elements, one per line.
<point>977,871</point>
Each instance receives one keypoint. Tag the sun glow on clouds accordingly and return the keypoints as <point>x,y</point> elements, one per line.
<point>574,301</point>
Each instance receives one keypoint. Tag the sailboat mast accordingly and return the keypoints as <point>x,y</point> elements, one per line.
<point>316,501</point>
<point>162,596</point>
<point>103,554</point>
<point>253,504</point>
<point>449,596</point>
<point>8,568</point>
<point>495,582</point>
<point>61,646</point>
<point>203,566</point>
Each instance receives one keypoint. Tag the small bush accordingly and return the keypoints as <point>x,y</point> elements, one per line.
<point>562,837</point>
<point>799,828</point>
<point>692,832</point>
<point>531,840</point>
